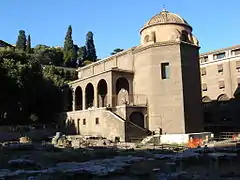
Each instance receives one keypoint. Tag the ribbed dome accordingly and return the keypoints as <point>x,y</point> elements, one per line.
<point>166,17</point>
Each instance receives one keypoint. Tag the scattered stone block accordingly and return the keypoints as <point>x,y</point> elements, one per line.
<point>25,140</point>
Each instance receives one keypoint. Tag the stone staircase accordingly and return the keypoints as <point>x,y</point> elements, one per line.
<point>146,140</point>
<point>143,131</point>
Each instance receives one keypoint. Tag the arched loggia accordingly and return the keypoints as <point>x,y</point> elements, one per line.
<point>102,93</point>
<point>78,98</point>
<point>89,95</point>
<point>122,88</point>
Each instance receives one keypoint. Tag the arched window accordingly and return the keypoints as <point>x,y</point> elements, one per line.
<point>222,98</point>
<point>153,34</point>
<point>206,99</point>
<point>146,38</point>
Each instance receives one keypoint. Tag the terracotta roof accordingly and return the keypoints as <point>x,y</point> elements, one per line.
<point>166,17</point>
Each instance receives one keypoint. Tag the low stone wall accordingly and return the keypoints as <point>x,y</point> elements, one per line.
<point>93,122</point>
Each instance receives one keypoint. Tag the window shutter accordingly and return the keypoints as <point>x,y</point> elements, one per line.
<point>221,84</point>
<point>220,67</point>
<point>203,71</point>
<point>204,87</point>
<point>237,64</point>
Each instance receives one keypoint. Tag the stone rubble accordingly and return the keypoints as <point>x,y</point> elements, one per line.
<point>95,167</point>
<point>117,164</point>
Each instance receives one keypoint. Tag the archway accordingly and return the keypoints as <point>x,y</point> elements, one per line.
<point>69,100</point>
<point>78,98</point>
<point>206,99</point>
<point>89,95</point>
<point>122,88</point>
<point>222,98</point>
<point>137,118</point>
<point>102,93</point>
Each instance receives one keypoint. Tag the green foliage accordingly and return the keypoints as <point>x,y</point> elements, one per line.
<point>87,62</point>
<point>27,90</point>
<point>115,51</point>
<point>21,41</point>
<point>70,51</point>
<point>90,47</point>
<point>28,48</point>
<point>48,56</point>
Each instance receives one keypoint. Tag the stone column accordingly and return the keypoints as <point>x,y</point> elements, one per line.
<point>110,93</point>
<point>83,99</point>
<point>131,96</point>
<point>95,101</point>
<point>73,104</point>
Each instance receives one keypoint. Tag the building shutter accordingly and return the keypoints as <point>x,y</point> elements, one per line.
<point>236,52</point>
<point>237,64</point>
<point>221,84</point>
<point>204,86</point>
<point>203,71</point>
<point>220,67</point>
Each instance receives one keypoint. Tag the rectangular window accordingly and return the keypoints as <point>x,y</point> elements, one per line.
<point>204,59</point>
<point>204,87</point>
<point>203,71</point>
<point>221,84</point>
<point>97,120</point>
<point>236,52</point>
<point>165,70</point>
<point>220,68</point>
<point>84,121</point>
<point>219,56</point>
<point>238,65</point>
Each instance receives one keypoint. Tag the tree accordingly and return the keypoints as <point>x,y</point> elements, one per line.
<point>69,50</point>
<point>48,56</point>
<point>21,41</point>
<point>117,50</point>
<point>27,89</point>
<point>82,54</point>
<point>90,47</point>
<point>28,48</point>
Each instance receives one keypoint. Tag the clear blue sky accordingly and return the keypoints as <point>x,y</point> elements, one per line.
<point>116,24</point>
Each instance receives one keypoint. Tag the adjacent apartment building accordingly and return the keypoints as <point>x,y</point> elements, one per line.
<point>220,73</point>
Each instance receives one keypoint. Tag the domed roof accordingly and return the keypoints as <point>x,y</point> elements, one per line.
<point>166,17</point>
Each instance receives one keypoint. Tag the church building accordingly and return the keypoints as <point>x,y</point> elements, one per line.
<point>154,87</point>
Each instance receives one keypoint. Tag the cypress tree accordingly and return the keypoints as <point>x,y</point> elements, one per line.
<point>82,53</point>
<point>90,47</point>
<point>21,41</point>
<point>69,54</point>
<point>28,48</point>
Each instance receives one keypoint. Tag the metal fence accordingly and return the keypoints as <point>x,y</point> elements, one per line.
<point>131,99</point>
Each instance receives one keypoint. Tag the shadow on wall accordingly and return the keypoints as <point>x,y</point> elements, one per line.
<point>222,115</point>
<point>67,126</point>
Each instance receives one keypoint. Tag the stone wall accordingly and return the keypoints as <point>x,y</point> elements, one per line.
<point>85,123</point>
<point>193,108</point>
<point>104,123</point>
